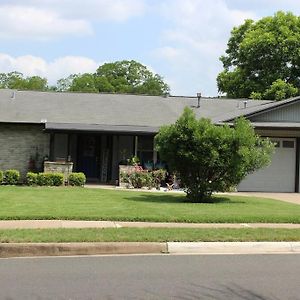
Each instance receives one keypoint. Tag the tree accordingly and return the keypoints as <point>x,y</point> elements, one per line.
<point>83,83</point>
<point>16,80</point>
<point>211,158</point>
<point>117,77</point>
<point>259,54</point>
<point>131,77</point>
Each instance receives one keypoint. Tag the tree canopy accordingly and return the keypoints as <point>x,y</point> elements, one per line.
<point>211,158</point>
<point>16,80</point>
<point>262,59</point>
<point>117,77</point>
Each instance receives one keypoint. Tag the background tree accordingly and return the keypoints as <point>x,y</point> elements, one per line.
<point>83,83</point>
<point>210,158</point>
<point>117,77</point>
<point>259,54</point>
<point>16,80</point>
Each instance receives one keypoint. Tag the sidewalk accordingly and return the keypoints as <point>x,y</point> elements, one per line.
<point>116,248</point>
<point>34,224</point>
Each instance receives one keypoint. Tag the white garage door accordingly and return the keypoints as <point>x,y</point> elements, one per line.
<point>279,176</point>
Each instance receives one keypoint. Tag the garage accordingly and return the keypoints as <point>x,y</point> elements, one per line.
<point>280,175</point>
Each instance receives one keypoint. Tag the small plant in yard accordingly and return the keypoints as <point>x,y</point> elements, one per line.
<point>133,161</point>
<point>31,178</point>
<point>143,178</point>
<point>11,177</point>
<point>77,179</point>
<point>158,176</point>
<point>1,176</point>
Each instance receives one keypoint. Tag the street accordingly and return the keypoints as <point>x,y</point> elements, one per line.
<point>249,277</point>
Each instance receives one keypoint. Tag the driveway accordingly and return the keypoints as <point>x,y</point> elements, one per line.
<point>287,197</point>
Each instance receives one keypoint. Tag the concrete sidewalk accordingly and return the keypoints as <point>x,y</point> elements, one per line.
<point>34,224</point>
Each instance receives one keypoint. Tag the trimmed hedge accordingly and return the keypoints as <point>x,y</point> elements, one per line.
<point>50,179</point>
<point>54,179</point>
<point>31,178</point>
<point>11,177</point>
<point>77,179</point>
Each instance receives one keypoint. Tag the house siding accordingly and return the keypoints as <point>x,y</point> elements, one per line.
<point>18,143</point>
<point>289,113</point>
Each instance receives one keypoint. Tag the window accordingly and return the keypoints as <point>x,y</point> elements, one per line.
<point>288,144</point>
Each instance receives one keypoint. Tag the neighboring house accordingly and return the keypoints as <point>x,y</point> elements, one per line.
<point>98,131</point>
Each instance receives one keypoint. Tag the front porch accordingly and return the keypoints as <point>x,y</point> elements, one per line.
<point>98,155</point>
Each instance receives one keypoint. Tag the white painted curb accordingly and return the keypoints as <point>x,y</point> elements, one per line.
<point>233,247</point>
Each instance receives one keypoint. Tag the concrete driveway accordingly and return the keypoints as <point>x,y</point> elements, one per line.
<point>287,197</point>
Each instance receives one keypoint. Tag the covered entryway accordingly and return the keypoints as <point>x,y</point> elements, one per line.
<point>280,175</point>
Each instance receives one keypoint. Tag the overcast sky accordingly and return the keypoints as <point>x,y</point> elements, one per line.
<point>178,39</point>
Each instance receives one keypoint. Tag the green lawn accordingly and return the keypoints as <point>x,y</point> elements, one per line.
<point>147,235</point>
<point>101,204</point>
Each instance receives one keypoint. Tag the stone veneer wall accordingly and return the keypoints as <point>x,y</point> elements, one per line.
<point>58,167</point>
<point>19,142</point>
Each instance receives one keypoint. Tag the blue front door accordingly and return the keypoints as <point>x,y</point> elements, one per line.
<point>88,156</point>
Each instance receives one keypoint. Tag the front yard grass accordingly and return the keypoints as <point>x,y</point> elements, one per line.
<point>102,204</point>
<point>147,235</point>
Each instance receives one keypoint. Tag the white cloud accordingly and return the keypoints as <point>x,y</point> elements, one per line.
<point>61,67</point>
<point>24,22</point>
<point>195,40</point>
<point>54,18</point>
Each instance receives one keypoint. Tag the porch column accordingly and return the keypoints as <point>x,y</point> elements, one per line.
<point>297,181</point>
<point>154,154</point>
<point>51,147</point>
<point>135,145</point>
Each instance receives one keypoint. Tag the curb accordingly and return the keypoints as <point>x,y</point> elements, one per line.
<point>234,247</point>
<point>66,249</point>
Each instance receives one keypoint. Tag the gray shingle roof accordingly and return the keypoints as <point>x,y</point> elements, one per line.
<point>114,109</point>
<point>255,110</point>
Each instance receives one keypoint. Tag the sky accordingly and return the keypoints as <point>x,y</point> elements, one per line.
<point>181,40</point>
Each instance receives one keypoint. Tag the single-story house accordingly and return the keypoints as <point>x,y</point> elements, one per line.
<point>98,131</point>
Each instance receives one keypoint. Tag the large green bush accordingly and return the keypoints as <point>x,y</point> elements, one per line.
<point>77,179</point>
<point>210,158</point>
<point>11,177</point>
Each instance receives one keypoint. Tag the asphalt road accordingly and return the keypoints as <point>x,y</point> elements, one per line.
<point>249,277</point>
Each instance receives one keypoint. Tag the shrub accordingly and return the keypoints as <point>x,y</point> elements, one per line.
<point>57,179</point>
<point>210,158</point>
<point>124,177</point>
<point>1,176</point>
<point>140,179</point>
<point>31,178</point>
<point>50,179</point>
<point>77,179</point>
<point>44,179</point>
<point>143,178</point>
<point>158,176</point>
<point>11,177</point>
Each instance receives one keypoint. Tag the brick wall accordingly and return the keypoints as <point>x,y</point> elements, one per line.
<point>20,142</point>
